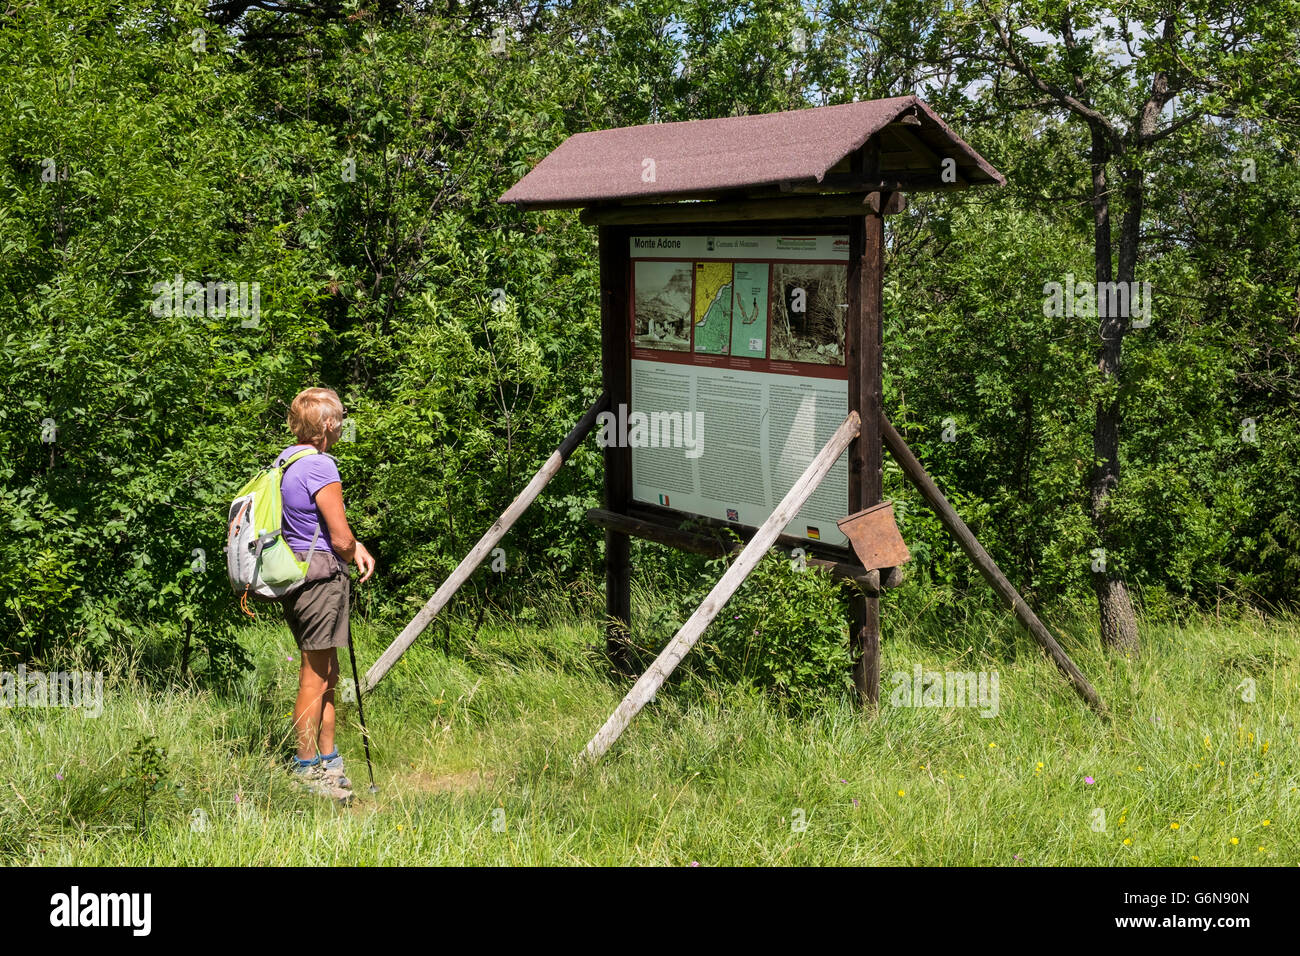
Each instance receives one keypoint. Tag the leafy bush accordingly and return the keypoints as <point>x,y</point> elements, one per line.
<point>783,632</point>
<point>349,164</point>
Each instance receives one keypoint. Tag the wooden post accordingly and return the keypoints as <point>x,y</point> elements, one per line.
<point>685,639</point>
<point>483,548</point>
<point>986,565</point>
<point>615,347</point>
<point>863,339</point>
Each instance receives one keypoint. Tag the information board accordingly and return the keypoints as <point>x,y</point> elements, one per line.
<point>738,375</point>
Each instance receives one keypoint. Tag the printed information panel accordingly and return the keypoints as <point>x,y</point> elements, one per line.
<point>751,437</point>
<point>738,375</point>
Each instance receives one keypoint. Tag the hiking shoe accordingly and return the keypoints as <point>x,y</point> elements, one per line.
<point>332,771</point>
<point>312,779</point>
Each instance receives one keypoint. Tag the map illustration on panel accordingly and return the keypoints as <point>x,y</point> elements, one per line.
<point>712,307</point>
<point>749,310</point>
<point>662,305</point>
<point>810,301</point>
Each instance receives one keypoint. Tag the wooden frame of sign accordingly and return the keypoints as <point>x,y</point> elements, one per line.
<point>624,517</point>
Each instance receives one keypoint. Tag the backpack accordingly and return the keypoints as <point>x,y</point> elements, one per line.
<point>258,559</point>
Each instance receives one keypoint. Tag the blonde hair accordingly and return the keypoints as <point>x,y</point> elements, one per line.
<point>312,412</point>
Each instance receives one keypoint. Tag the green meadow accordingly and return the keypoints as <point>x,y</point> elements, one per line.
<point>477,735</point>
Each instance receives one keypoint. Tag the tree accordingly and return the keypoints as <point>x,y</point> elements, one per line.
<point>1138,78</point>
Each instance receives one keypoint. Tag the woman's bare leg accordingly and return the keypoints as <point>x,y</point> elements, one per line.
<point>313,712</point>
<point>326,739</point>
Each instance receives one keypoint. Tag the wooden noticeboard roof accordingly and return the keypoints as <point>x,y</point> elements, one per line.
<point>800,151</point>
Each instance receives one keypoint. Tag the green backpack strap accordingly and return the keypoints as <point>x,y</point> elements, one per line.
<point>316,535</point>
<point>294,457</point>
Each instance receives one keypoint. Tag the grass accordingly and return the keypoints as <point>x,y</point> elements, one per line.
<point>475,758</point>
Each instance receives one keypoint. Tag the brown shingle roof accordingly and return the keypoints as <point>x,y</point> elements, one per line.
<point>741,152</point>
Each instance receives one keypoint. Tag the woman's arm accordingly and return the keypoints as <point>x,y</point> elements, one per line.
<point>330,502</point>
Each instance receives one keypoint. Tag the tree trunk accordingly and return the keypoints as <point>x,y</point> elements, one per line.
<point>185,649</point>
<point>1115,607</point>
<point>1118,620</point>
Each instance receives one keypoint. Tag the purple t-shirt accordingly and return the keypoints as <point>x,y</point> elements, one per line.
<point>299,483</point>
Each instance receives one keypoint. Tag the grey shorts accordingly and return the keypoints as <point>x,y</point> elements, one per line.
<point>318,611</point>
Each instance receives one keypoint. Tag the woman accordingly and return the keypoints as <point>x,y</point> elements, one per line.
<point>317,613</point>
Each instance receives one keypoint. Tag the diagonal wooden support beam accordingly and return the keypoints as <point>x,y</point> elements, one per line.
<point>985,563</point>
<point>748,559</point>
<point>484,547</point>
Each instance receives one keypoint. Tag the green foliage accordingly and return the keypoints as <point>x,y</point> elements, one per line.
<point>782,633</point>
<point>348,161</point>
<point>143,778</point>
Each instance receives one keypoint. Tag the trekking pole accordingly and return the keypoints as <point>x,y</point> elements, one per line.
<point>365,734</point>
